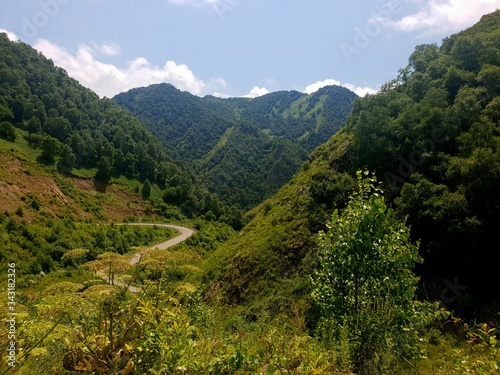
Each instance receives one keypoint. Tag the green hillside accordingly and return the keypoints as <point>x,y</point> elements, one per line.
<point>247,165</point>
<point>67,129</point>
<point>377,257</point>
<point>277,130</point>
<point>432,137</point>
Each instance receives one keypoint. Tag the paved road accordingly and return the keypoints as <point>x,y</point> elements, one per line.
<point>184,234</point>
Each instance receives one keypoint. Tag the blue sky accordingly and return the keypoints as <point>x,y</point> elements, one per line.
<point>235,47</point>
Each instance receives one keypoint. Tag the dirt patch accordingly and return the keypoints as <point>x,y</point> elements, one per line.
<point>84,184</point>
<point>32,191</point>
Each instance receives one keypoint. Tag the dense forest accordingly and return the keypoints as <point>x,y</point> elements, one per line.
<point>76,130</point>
<point>431,137</point>
<point>274,134</point>
<point>377,257</point>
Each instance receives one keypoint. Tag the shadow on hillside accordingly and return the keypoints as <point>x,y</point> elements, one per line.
<point>100,186</point>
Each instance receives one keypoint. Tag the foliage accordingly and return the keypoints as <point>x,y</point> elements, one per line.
<point>116,332</point>
<point>244,149</point>
<point>7,131</point>
<point>364,283</point>
<point>146,190</point>
<point>75,130</point>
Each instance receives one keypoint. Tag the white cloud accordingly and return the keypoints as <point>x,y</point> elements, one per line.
<point>109,80</point>
<point>218,82</point>
<point>109,49</point>
<point>361,91</point>
<point>13,37</point>
<point>444,16</point>
<point>220,95</point>
<point>316,86</point>
<point>256,91</point>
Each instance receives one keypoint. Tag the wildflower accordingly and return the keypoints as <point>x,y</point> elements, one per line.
<point>473,339</point>
<point>139,348</point>
<point>129,347</point>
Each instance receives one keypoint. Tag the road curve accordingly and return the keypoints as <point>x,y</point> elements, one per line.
<point>184,234</point>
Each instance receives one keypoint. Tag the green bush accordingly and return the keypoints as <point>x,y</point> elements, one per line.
<point>364,285</point>
<point>7,131</point>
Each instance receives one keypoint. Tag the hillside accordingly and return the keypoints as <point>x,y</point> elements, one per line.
<point>322,280</point>
<point>64,129</point>
<point>432,137</point>
<point>278,130</point>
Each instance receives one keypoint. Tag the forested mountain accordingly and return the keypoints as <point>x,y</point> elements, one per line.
<point>322,279</point>
<point>247,164</point>
<point>432,136</point>
<point>68,127</point>
<point>274,134</point>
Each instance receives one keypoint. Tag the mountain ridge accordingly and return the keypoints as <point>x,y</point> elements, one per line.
<point>446,189</point>
<point>195,128</point>
<point>59,126</point>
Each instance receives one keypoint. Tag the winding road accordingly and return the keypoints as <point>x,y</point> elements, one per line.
<point>184,234</point>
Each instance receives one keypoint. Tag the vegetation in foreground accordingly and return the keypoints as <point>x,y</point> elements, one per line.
<point>76,324</point>
<point>226,303</point>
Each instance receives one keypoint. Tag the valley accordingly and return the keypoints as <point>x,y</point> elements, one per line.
<point>289,233</point>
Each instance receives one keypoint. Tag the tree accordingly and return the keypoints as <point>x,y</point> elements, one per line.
<point>146,190</point>
<point>104,169</point>
<point>7,131</point>
<point>364,283</point>
<point>58,127</point>
<point>109,263</point>
<point>5,112</point>
<point>50,149</point>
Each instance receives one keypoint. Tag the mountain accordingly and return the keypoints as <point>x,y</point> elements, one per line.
<point>432,137</point>
<point>243,149</point>
<point>52,122</point>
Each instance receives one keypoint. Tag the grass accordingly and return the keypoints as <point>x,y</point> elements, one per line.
<point>20,148</point>
<point>84,173</point>
<point>220,144</point>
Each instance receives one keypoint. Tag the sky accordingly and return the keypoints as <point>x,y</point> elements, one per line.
<point>235,48</point>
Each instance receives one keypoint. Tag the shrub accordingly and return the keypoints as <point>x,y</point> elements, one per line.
<point>365,285</point>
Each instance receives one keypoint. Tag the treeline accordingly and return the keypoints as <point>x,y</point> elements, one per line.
<point>73,128</point>
<point>200,132</point>
<point>432,138</point>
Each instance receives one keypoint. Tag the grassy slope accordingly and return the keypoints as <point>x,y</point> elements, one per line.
<point>268,260</point>
<point>272,251</point>
<point>23,180</point>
